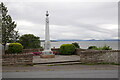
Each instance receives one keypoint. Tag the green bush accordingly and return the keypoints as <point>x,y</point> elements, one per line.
<point>105,48</point>
<point>15,48</point>
<point>100,48</point>
<point>67,49</point>
<point>76,45</point>
<point>93,47</point>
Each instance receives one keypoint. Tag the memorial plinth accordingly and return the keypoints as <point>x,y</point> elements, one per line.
<point>47,53</point>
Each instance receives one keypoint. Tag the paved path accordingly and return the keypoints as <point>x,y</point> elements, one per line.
<point>63,74</point>
<point>58,58</point>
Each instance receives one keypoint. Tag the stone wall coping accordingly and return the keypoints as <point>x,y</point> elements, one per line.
<point>16,54</point>
<point>99,51</point>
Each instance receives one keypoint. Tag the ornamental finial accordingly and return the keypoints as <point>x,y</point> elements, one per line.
<point>47,13</point>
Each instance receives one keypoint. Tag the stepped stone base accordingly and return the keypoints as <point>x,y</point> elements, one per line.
<point>47,56</point>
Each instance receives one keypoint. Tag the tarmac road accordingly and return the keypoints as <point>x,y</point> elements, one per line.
<point>63,74</point>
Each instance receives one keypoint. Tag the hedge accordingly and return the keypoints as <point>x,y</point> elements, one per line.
<point>100,48</point>
<point>67,49</point>
<point>15,48</point>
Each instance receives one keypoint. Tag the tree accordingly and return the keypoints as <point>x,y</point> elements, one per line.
<point>29,41</point>
<point>8,26</point>
<point>0,25</point>
<point>76,45</point>
<point>15,37</point>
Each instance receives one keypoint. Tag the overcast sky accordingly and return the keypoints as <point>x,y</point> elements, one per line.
<point>68,20</point>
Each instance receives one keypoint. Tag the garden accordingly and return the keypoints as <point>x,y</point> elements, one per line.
<point>65,49</point>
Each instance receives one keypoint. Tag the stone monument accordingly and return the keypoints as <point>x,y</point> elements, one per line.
<point>47,53</point>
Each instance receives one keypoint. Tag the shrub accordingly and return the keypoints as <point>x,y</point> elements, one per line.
<point>67,49</point>
<point>76,45</point>
<point>100,48</point>
<point>105,48</point>
<point>15,48</point>
<point>93,47</point>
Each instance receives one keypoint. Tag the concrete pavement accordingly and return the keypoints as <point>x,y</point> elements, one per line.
<point>58,58</point>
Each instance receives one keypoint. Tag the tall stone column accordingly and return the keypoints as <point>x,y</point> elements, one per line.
<point>47,34</point>
<point>47,53</point>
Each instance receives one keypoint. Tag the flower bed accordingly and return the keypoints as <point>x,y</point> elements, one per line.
<point>54,52</point>
<point>38,53</point>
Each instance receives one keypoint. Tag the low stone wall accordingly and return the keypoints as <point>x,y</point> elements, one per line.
<point>57,50</point>
<point>31,50</point>
<point>101,56</point>
<point>78,51</point>
<point>17,59</point>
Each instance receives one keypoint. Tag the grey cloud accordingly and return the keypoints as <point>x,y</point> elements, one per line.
<point>81,19</point>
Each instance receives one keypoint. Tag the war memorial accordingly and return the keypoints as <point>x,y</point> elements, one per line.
<point>47,53</point>
<point>76,63</point>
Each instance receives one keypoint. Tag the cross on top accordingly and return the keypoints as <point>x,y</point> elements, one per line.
<point>47,13</point>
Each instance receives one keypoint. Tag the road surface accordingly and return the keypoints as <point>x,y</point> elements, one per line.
<point>63,74</point>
